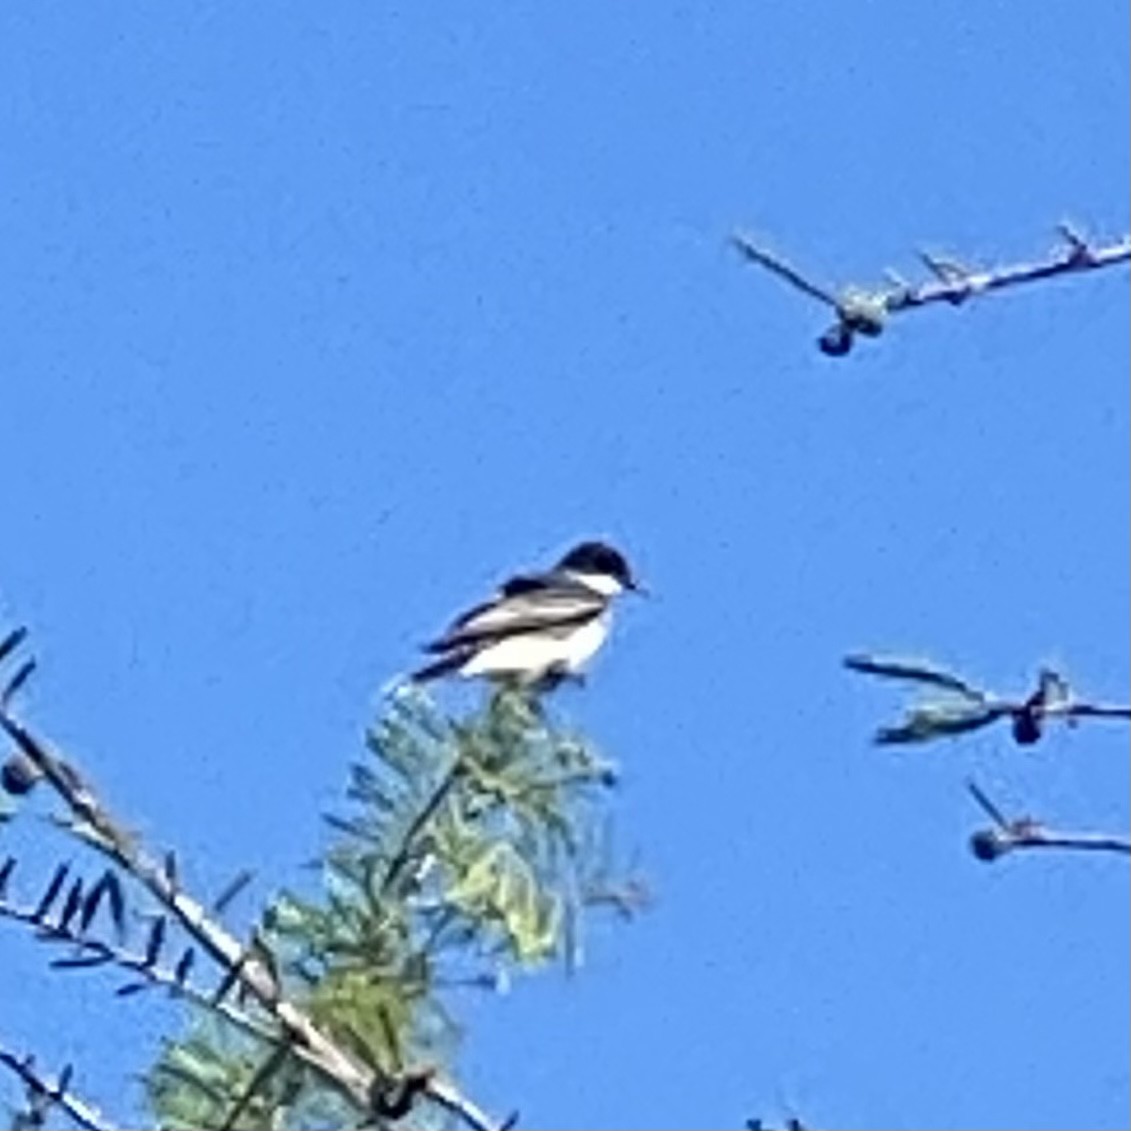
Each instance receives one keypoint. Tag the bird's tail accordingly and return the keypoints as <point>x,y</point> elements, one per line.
<point>441,667</point>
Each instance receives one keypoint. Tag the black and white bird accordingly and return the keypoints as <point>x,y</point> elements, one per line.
<point>540,628</point>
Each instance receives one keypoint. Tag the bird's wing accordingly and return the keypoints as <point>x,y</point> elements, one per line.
<point>524,604</point>
<point>525,583</point>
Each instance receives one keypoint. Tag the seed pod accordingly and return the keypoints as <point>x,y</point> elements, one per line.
<point>18,775</point>
<point>986,845</point>
<point>1026,727</point>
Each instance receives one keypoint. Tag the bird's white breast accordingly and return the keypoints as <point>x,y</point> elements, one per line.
<point>533,654</point>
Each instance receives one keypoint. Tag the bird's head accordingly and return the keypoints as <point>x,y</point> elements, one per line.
<point>601,565</point>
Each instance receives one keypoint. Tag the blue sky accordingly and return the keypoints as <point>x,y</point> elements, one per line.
<point>318,320</point>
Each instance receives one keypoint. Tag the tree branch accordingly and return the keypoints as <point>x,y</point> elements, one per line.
<point>92,952</point>
<point>862,310</point>
<point>408,845</point>
<point>961,706</point>
<point>92,822</point>
<point>97,827</point>
<point>43,1094</point>
<point>1006,834</point>
<point>261,1076</point>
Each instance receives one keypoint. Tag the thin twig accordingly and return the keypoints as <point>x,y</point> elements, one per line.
<point>865,310</point>
<point>273,1062</point>
<point>1007,834</point>
<point>403,855</point>
<point>775,264</point>
<point>451,1099</point>
<point>988,807</point>
<point>1036,836</point>
<point>55,1092</point>
<point>962,284</point>
<point>440,1091</point>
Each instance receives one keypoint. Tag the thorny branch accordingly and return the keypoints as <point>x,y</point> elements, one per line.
<point>93,823</point>
<point>862,310</point>
<point>1007,834</point>
<point>43,1094</point>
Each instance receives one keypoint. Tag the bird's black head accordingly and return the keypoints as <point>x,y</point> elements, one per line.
<point>600,559</point>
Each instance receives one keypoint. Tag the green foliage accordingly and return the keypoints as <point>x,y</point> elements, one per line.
<point>467,853</point>
<point>215,1073</point>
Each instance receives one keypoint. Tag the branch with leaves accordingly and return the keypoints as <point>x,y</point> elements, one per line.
<point>469,853</point>
<point>464,858</point>
<point>67,920</point>
<point>90,821</point>
<point>866,311</point>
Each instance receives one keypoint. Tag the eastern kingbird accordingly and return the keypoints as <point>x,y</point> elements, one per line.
<point>540,628</point>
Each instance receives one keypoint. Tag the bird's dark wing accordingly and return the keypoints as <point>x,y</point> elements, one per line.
<point>523,583</point>
<point>524,604</point>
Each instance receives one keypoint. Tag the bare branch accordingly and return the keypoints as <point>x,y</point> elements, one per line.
<point>958,284</point>
<point>913,672</point>
<point>988,807</point>
<point>774,263</point>
<point>862,310</point>
<point>1005,834</point>
<point>451,1099</point>
<point>11,641</point>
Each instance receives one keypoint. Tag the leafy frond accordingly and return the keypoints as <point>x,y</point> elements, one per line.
<point>466,854</point>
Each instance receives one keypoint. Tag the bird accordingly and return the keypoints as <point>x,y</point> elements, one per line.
<point>540,628</point>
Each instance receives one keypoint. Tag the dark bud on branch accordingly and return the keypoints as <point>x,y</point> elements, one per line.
<point>987,846</point>
<point>1026,726</point>
<point>836,341</point>
<point>394,1100</point>
<point>18,776</point>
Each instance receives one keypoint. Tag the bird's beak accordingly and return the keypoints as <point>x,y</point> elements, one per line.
<point>639,589</point>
